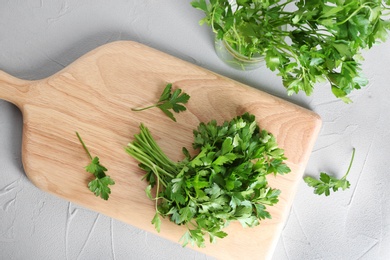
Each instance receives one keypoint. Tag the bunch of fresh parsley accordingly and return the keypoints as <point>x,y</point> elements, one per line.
<point>225,181</point>
<point>306,41</point>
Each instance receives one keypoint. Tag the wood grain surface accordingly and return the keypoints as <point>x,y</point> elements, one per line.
<point>94,96</point>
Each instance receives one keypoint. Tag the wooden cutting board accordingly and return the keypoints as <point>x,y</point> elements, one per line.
<point>94,96</point>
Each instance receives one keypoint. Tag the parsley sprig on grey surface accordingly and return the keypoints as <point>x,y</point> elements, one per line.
<point>305,41</point>
<point>99,186</point>
<point>326,183</point>
<point>170,100</point>
<point>225,181</point>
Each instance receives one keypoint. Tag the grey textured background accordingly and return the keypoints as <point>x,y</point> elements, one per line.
<point>39,38</point>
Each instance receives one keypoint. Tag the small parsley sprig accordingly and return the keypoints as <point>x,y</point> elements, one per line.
<point>327,183</point>
<point>170,100</point>
<point>99,186</point>
<point>225,181</point>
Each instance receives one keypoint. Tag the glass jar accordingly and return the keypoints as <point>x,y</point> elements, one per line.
<point>234,59</point>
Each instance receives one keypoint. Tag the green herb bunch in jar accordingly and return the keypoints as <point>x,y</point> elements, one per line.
<point>306,42</point>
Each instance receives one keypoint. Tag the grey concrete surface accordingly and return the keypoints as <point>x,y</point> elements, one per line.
<point>40,37</point>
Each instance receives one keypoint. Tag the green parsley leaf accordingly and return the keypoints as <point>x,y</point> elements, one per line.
<point>100,185</point>
<point>157,222</point>
<point>96,168</point>
<point>327,183</point>
<point>148,191</point>
<point>170,100</point>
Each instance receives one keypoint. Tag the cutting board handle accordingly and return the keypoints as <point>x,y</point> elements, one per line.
<point>13,89</point>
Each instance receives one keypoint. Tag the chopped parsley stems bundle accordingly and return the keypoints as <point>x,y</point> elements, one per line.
<point>224,182</point>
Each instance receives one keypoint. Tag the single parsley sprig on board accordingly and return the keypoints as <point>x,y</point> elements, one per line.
<point>311,42</point>
<point>327,183</point>
<point>170,100</point>
<point>225,181</point>
<point>99,186</point>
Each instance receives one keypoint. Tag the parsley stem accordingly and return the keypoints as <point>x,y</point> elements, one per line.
<point>83,144</point>
<point>145,108</point>
<point>283,5</point>
<point>350,165</point>
<point>353,14</point>
<point>158,191</point>
<point>212,21</point>
<point>237,36</point>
